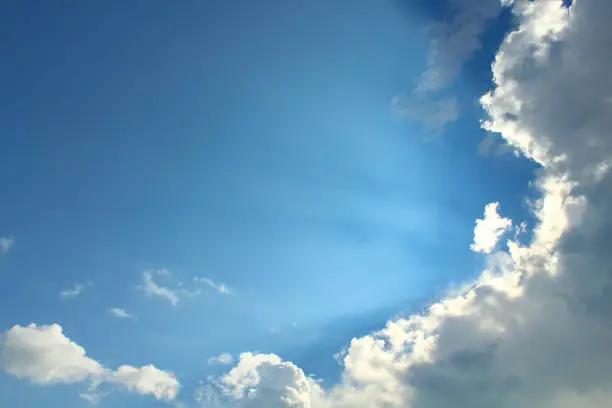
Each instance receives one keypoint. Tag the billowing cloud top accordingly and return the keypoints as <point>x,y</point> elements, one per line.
<point>489,229</point>
<point>535,328</point>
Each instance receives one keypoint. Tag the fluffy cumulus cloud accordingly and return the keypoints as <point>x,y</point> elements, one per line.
<point>489,229</point>
<point>45,356</point>
<point>264,381</point>
<point>535,329</point>
<point>146,380</point>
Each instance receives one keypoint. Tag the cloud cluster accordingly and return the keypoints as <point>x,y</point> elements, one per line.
<point>45,356</point>
<point>153,289</point>
<point>263,380</point>
<point>535,328</point>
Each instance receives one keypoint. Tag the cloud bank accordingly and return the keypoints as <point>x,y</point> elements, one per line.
<point>535,328</point>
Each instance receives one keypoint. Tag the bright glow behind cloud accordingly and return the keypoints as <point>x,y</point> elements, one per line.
<point>535,328</point>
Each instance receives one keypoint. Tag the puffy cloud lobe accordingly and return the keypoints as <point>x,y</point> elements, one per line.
<point>489,229</point>
<point>535,328</point>
<point>45,356</point>
<point>146,380</point>
<point>264,380</point>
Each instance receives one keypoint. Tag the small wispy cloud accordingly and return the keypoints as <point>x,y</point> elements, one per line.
<point>223,358</point>
<point>191,293</point>
<point>452,42</point>
<point>6,243</point>
<point>493,145</point>
<point>433,113</point>
<point>120,313</point>
<point>74,292</point>
<point>152,289</point>
<point>217,286</point>
<point>92,397</point>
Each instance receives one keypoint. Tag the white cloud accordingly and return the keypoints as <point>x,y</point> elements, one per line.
<point>146,380</point>
<point>217,286</point>
<point>120,313</point>
<point>6,243</point>
<point>535,328</point>
<point>151,289</point>
<point>265,381</point>
<point>45,356</point>
<point>489,229</point>
<point>223,358</point>
<point>74,292</point>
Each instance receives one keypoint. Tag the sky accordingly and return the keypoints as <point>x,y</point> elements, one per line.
<point>305,204</point>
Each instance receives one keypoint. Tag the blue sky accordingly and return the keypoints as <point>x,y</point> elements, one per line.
<point>252,144</point>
